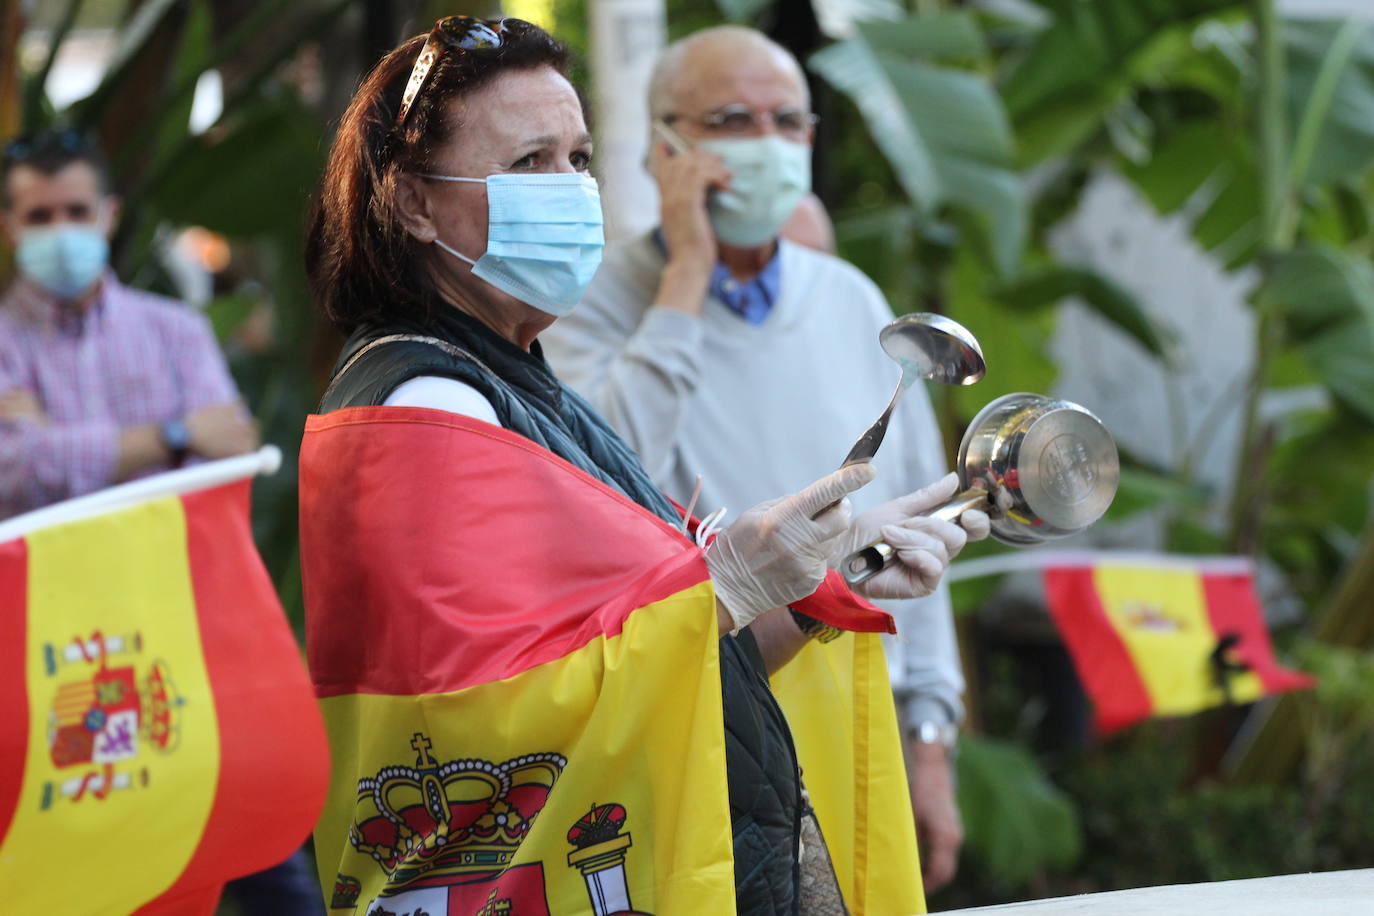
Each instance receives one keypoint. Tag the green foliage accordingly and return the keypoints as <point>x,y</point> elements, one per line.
<point>1103,296</point>
<point>1326,297</point>
<point>943,129</point>
<point>1014,819</point>
<point>1082,65</point>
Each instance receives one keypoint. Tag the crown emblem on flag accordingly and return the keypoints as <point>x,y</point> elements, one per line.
<point>462,817</point>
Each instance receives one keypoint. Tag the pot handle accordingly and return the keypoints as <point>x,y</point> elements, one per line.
<point>866,562</point>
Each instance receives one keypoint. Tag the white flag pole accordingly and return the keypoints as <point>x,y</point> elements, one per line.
<point>265,461</point>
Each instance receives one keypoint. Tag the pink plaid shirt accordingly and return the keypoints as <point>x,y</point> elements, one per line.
<point>133,359</point>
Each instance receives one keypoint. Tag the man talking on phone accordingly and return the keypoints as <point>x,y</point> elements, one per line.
<point>721,351</point>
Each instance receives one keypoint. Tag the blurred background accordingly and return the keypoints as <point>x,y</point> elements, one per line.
<point>1162,209</point>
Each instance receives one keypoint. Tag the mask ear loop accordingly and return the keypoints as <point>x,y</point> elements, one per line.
<point>709,526</point>
<point>437,241</point>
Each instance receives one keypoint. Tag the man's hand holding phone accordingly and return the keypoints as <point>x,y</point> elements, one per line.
<point>686,176</point>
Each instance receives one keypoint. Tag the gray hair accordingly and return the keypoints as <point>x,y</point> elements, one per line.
<point>663,80</point>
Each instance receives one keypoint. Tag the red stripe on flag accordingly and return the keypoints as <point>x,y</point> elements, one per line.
<point>14,691</point>
<point>1233,607</point>
<point>1100,656</point>
<point>438,552</point>
<point>274,762</point>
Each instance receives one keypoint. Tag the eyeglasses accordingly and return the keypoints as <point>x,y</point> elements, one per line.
<point>67,140</point>
<point>740,120</point>
<point>458,33</point>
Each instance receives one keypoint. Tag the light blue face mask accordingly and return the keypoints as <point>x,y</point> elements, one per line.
<point>768,178</point>
<point>544,237</point>
<point>66,259</point>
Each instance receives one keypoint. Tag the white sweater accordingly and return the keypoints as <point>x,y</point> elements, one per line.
<point>761,411</point>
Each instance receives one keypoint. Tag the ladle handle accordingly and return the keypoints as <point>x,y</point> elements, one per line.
<point>867,562</point>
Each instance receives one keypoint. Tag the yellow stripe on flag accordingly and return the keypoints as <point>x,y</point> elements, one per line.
<point>110,603</point>
<point>504,770</point>
<point>839,705</point>
<point>1161,616</point>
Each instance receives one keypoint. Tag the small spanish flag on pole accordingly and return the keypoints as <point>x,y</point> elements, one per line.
<point>158,736</point>
<point>1164,636</point>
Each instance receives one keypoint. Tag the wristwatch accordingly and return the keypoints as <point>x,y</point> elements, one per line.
<point>176,438</point>
<point>814,629</point>
<point>945,734</point>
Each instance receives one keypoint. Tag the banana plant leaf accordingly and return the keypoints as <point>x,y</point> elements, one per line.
<point>1326,296</point>
<point>1015,820</point>
<point>942,128</point>
<point>1100,294</point>
<point>250,180</point>
<point>1330,98</point>
<point>1083,63</point>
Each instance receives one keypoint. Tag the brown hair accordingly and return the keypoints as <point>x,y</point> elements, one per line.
<point>362,263</point>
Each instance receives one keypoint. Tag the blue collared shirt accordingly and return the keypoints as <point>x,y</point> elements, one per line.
<point>751,299</point>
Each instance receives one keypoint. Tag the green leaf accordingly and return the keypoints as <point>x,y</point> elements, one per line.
<point>944,132</point>
<point>131,43</point>
<point>1100,294</point>
<point>1015,820</point>
<point>741,10</point>
<point>226,313</point>
<point>1141,489</point>
<point>1326,296</point>
<point>1016,347</point>
<point>251,180</point>
<point>948,37</point>
<point>1081,65</point>
<point>1330,94</point>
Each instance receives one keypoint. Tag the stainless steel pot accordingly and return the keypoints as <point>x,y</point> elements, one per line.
<point>1042,468</point>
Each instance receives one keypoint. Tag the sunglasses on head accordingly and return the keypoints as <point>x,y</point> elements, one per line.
<point>68,140</point>
<point>454,33</point>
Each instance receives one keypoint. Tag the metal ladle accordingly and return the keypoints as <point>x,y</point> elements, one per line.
<point>926,346</point>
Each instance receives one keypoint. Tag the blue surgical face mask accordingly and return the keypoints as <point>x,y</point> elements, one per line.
<point>768,178</point>
<point>544,237</point>
<point>64,259</point>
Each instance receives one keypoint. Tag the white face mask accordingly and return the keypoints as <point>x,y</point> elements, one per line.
<point>544,237</point>
<point>768,178</point>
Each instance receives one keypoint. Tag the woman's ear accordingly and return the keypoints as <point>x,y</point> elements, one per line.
<point>413,209</point>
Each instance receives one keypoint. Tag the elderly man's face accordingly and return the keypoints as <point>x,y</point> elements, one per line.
<point>731,81</point>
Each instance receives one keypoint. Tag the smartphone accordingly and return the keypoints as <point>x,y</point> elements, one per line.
<point>675,141</point>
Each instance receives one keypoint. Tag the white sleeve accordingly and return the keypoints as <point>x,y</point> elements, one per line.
<point>442,393</point>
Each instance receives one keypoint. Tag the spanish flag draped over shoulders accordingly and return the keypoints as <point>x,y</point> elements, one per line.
<point>519,676</point>
<point>158,735</point>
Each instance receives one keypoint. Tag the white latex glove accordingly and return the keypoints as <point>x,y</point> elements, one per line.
<point>924,546</point>
<point>777,553</point>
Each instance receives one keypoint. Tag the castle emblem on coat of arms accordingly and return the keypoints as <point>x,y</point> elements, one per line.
<point>446,835</point>
<point>110,706</point>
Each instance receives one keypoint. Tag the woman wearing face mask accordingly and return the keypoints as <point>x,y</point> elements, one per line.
<point>469,525</point>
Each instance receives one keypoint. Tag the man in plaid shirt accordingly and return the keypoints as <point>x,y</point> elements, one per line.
<point>99,383</point>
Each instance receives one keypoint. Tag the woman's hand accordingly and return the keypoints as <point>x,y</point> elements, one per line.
<point>924,546</point>
<point>778,552</point>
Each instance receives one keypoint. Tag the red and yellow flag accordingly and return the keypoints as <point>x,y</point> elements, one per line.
<point>839,705</point>
<point>157,731</point>
<point>1165,638</point>
<point>519,675</point>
